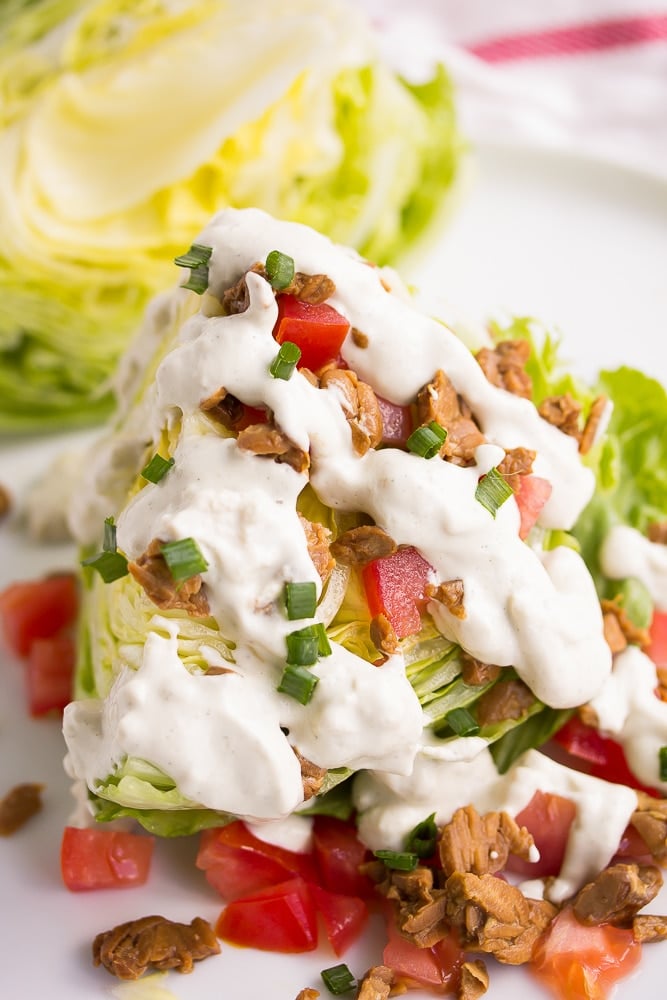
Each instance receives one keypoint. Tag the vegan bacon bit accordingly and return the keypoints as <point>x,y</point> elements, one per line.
<point>505,700</point>
<point>657,532</point>
<point>130,949</point>
<point>383,635</point>
<point>481,844</point>
<point>307,994</point>
<point>617,894</point>
<point>359,404</point>
<point>504,366</point>
<point>362,545</point>
<point>619,629</point>
<point>474,672</point>
<point>648,928</point>
<point>517,462</point>
<point>318,541</point>
<point>359,339</point>
<point>474,980</point>
<point>151,571</point>
<point>18,806</point>
<point>5,501</point>
<point>450,594</point>
<point>312,776</point>
<point>376,984</point>
<point>593,423</point>
<point>438,401</point>
<point>269,441</point>
<point>563,412</point>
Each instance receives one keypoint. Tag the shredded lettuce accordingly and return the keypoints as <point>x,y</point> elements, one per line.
<point>287,109</point>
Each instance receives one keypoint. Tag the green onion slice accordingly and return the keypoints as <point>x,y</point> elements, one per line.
<point>298,682</point>
<point>492,491</point>
<point>109,543</point>
<point>157,468</point>
<point>401,861</point>
<point>462,722</point>
<point>279,270</point>
<point>196,259</point>
<point>197,254</point>
<point>303,647</point>
<point>300,599</point>
<point>662,756</point>
<point>110,565</point>
<point>285,361</point>
<point>427,441</point>
<point>338,979</point>
<point>422,840</point>
<point>184,558</point>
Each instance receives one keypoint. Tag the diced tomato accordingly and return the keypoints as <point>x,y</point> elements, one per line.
<point>531,493</point>
<point>318,330</point>
<point>344,917</point>
<point>50,669</point>
<point>582,963</point>
<point>436,967</point>
<point>237,863</point>
<point>250,415</point>
<point>549,818</point>
<point>394,587</point>
<point>279,918</point>
<point>602,756</point>
<point>657,649</point>
<point>37,609</point>
<point>104,859</point>
<point>633,845</point>
<point>338,854</point>
<point>396,423</point>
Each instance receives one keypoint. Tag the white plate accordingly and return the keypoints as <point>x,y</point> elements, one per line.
<point>582,246</point>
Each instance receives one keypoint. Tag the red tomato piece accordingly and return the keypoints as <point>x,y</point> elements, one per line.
<point>104,859</point>
<point>237,863</point>
<point>338,853</point>
<point>50,669</point>
<point>582,963</point>
<point>603,757</point>
<point>397,423</point>
<point>549,818</point>
<point>531,493</point>
<point>436,967</point>
<point>279,918</point>
<point>657,649</point>
<point>317,330</point>
<point>37,609</point>
<point>395,586</point>
<point>251,415</point>
<point>344,917</point>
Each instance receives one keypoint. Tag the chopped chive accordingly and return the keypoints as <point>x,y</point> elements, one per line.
<point>303,647</point>
<point>196,259</point>
<point>110,565</point>
<point>662,756</point>
<point>184,558</point>
<point>462,722</point>
<point>279,270</point>
<point>298,682</point>
<point>492,491</point>
<point>401,861</point>
<point>338,979</point>
<point>323,644</point>
<point>427,441</point>
<point>285,361</point>
<point>156,468</point>
<point>300,599</point>
<point>422,840</point>
<point>196,255</point>
<point>109,543</point>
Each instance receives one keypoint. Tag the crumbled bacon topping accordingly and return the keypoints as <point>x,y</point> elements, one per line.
<point>318,542</point>
<point>563,412</point>
<point>131,948</point>
<point>269,441</point>
<point>18,806</point>
<point>619,629</point>
<point>481,844</point>
<point>312,776</point>
<point>383,635</point>
<point>150,570</point>
<point>362,545</point>
<point>592,425</point>
<point>475,672</point>
<point>359,404</point>
<point>504,366</point>
<point>439,401</point>
<point>508,699</point>
<point>617,893</point>
<point>474,980</point>
<point>450,593</point>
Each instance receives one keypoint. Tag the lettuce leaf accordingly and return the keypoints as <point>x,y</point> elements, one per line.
<point>290,110</point>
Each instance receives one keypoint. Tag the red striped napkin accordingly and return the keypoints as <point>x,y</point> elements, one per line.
<point>583,75</point>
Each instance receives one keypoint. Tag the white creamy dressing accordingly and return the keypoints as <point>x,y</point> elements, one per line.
<point>536,611</point>
<point>626,552</point>
<point>391,806</point>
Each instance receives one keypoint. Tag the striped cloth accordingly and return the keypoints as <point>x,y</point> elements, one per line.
<point>588,76</point>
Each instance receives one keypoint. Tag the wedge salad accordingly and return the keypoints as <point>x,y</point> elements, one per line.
<point>338,562</point>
